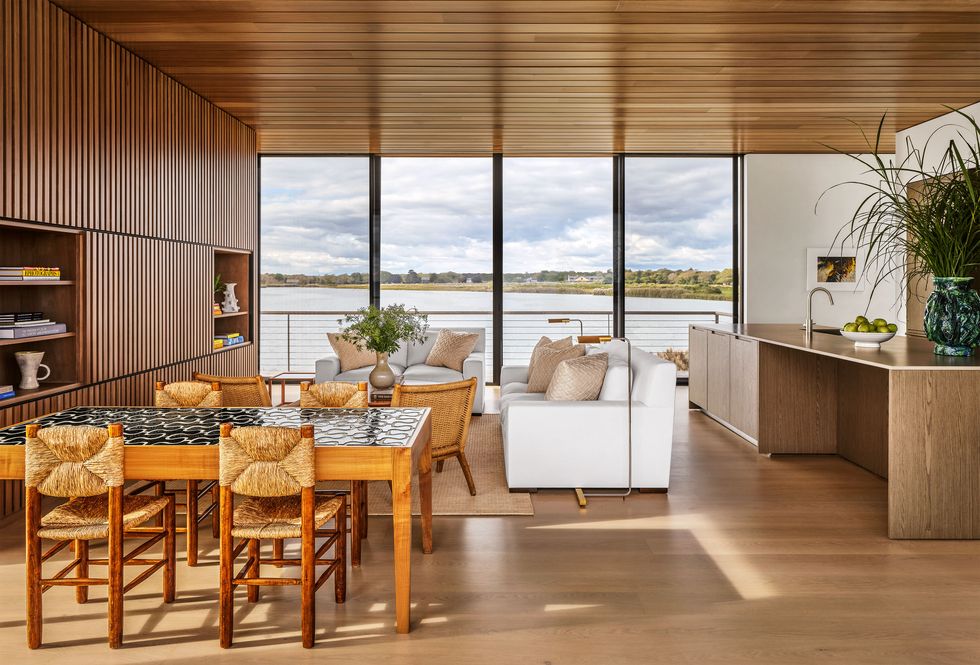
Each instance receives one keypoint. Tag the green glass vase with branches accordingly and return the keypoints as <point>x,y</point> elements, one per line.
<point>920,219</point>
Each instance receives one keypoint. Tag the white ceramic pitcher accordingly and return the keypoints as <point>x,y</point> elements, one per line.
<point>30,363</point>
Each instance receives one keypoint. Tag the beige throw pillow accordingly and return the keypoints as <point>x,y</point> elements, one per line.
<point>451,349</point>
<point>547,361</point>
<point>547,343</point>
<point>578,379</point>
<point>351,356</point>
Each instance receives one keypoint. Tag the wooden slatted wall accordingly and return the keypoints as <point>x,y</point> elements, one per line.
<point>97,139</point>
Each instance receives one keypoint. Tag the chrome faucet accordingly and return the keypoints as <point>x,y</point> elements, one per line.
<point>808,323</point>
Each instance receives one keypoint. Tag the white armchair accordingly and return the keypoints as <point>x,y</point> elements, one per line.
<point>585,444</point>
<point>409,362</point>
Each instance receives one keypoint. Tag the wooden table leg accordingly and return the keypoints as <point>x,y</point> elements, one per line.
<point>425,497</point>
<point>401,515</point>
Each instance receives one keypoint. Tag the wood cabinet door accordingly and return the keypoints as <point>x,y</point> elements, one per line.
<point>719,375</point>
<point>744,381</point>
<point>697,373</point>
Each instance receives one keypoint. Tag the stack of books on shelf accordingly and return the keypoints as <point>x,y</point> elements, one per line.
<point>18,325</point>
<point>230,339</point>
<point>28,273</point>
<point>6,392</point>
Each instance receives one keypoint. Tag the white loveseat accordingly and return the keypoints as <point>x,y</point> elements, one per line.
<point>584,444</point>
<point>409,362</point>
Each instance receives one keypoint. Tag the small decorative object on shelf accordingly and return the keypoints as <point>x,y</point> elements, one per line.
<point>28,273</point>
<point>383,331</point>
<point>29,363</point>
<point>6,392</point>
<point>217,344</point>
<point>231,300</point>
<point>216,309</point>
<point>230,339</point>
<point>20,325</point>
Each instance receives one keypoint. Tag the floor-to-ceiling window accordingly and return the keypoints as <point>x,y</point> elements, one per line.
<point>437,240</point>
<point>558,249</point>
<point>678,246</point>
<point>314,254</point>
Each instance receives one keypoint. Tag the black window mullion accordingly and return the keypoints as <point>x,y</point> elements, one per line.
<point>374,231</point>
<point>498,265</point>
<point>619,245</point>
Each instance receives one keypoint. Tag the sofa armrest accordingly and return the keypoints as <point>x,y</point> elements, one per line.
<point>327,369</point>
<point>513,374</point>
<point>473,367</point>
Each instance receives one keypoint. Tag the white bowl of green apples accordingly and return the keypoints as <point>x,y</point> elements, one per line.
<point>868,334</point>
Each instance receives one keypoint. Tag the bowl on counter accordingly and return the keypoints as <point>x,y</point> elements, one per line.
<point>868,340</point>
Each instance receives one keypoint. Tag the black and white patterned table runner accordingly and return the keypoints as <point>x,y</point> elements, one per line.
<point>152,426</point>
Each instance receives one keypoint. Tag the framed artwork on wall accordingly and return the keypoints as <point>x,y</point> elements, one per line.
<point>835,269</point>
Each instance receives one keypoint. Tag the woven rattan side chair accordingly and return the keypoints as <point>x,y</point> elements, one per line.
<point>273,468</point>
<point>192,394</point>
<point>337,395</point>
<point>86,464</point>
<point>239,390</point>
<point>451,404</point>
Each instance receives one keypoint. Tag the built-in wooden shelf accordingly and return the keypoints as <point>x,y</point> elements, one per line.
<point>232,347</point>
<point>37,282</point>
<point>39,338</point>
<point>230,314</point>
<point>46,390</point>
<point>235,266</point>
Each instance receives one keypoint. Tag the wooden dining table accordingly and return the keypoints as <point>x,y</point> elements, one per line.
<point>351,444</point>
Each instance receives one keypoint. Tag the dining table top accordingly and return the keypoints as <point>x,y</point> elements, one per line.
<point>152,426</point>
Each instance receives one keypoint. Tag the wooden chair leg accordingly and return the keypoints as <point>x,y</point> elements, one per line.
<point>439,465</point>
<point>277,550</point>
<point>170,551</point>
<point>215,530</point>
<point>191,521</point>
<point>253,570</point>
<point>225,628</point>
<point>33,523</point>
<point>363,508</point>
<point>308,568</point>
<point>81,571</point>
<point>466,472</point>
<point>355,522</point>
<point>340,553</point>
<point>115,568</point>
<point>159,490</point>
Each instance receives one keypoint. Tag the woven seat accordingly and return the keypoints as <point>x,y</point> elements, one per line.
<point>273,467</point>
<point>279,517</point>
<point>86,466</point>
<point>187,394</point>
<point>451,404</point>
<point>332,395</point>
<point>87,518</point>
<point>239,390</point>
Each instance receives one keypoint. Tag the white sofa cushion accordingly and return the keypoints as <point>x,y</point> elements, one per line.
<point>361,373</point>
<point>429,374</point>
<point>512,398</point>
<point>515,387</point>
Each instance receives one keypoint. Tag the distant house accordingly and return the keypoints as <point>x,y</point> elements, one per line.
<point>584,279</point>
<point>425,279</point>
<point>530,280</point>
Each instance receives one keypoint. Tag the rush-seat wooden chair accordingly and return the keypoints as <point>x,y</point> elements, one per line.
<point>192,394</point>
<point>340,395</point>
<point>273,468</point>
<point>87,464</point>
<point>239,390</point>
<point>451,404</point>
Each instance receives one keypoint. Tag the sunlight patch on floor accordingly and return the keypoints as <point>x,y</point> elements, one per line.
<point>559,607</point>
<point>736,567</point>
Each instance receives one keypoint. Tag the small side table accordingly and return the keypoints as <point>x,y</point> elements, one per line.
<point>288,377</point>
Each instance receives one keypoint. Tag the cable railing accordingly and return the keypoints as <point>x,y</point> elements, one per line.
<point>292,341</point>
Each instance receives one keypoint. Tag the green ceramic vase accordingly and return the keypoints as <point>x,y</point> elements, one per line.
<point>952,318</point>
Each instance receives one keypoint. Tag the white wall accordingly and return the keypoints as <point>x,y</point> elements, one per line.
<point>938,132</point>
<point>780,224</point>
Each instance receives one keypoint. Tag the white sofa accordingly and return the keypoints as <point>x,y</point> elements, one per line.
<point>409,362</point>
<point>584,444</point>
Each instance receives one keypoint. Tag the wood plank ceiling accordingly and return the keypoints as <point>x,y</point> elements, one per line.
<point>563,76</point>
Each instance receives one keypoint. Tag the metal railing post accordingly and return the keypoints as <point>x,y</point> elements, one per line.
<point>289,350</point>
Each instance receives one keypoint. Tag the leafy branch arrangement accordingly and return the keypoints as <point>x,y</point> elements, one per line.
<point>383,330</point>
<point>918,221</point>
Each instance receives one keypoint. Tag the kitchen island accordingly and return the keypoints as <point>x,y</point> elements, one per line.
<point>900,412</point>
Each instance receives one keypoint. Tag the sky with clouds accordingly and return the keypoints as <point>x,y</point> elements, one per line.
<point>436,214</point>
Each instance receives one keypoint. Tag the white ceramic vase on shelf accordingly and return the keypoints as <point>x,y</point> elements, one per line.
<point>231,300</point>
<point>29,363</point>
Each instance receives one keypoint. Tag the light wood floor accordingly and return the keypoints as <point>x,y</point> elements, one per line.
<point>747,560</point>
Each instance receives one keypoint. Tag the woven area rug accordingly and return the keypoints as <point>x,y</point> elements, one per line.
<point>450,496</point>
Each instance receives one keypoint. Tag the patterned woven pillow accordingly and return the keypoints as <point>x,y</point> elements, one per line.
<point>351,356</point>
<point>547,362</point>
<point>451,349</point>
<point>578,379</point>
<point>546,342</point>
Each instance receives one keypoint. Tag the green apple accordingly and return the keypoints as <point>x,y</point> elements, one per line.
<point>850,327</point>
<point>883,329</point>
<point>892,328</point>
<point>877,323</point>
<point>861,319</point>
<point>865,328</point>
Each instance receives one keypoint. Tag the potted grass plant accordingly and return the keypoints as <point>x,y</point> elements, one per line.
<point>383,330</point>
<point>920,221</point>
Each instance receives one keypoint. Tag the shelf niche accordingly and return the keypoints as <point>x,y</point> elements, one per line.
<point>24,244</point>
<point>235,266</point>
